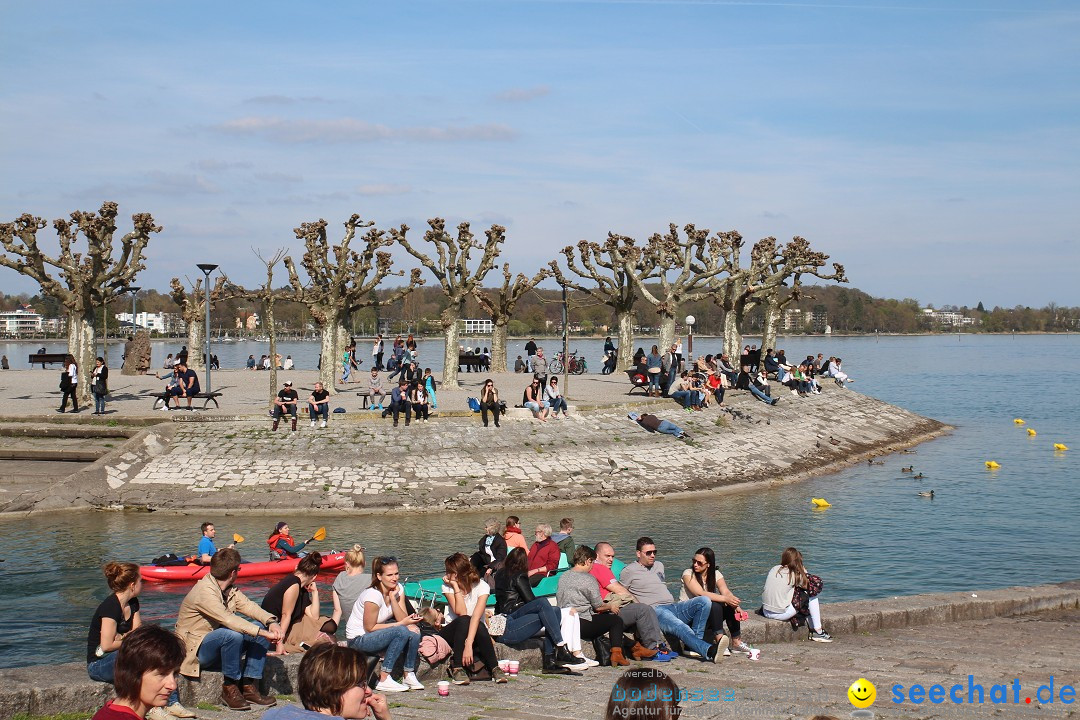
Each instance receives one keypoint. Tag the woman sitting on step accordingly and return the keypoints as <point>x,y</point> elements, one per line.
<point>791,594</point>
<point>465,629</point>
<point>144,675</point>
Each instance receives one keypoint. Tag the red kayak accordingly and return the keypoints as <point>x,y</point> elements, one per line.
<point>190,573</point>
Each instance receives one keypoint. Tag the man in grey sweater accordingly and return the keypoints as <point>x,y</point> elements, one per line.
<point>684,620</point>
<point>635,615</point>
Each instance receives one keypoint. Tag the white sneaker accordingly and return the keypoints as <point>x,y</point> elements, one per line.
<point>412,682</point>
<point>587,661</point>
<point>158,713</point>
<point>321,424</point>
<point>179,711</point>
<point>312,423</point>
<point>391,685</point>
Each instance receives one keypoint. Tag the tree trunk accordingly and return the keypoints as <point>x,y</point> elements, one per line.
<point>498,345</point>
<point>771,325</point>
<point>196,329</point>
<point>329,334</point>
<point>667,332</point>
<point>449,319</point>
<point>625,350</point>
<point>271,330</point>
<point>343,337</point>
<point>81,340</point>
<point>732,336</point>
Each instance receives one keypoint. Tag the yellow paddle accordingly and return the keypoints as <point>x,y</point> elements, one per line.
<point>319,535</point>
<point>237,538</point>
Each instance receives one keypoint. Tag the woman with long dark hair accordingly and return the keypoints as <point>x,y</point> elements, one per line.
<point>69,384</point>
<point>527,615</point>
<point>465,631</point>
<point>295,601</point>
<point>704,578</point>
<point>99,385</point>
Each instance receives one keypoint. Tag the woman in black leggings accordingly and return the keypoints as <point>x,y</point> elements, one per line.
<point>579,591</point>
<point>704,578</point>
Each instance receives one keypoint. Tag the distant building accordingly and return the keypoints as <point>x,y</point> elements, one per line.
<point>475,327</point>
<point>793,320</point>
<point>154,322</point>
<point>22,320</point>
<point>951,318</point>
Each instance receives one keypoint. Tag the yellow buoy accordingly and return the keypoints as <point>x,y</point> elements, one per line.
<point>1031,432</point>
<point>820,502</point>
<point>1060,446</point>
<point>1018,421</point>
<point>992,465</point>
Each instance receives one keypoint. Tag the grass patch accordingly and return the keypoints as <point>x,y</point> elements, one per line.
<point>462,483</point>
<point>287,698</point>
<point>208,706</point>
<point>58,716</point>
<point>110,445</point>
<point>326,488</point>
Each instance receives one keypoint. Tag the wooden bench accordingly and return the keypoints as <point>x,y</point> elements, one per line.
<point>207,398</point>
<point>46,358</point>
<point>470,361</point>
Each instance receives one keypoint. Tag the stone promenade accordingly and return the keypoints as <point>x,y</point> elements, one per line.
<point>361,462</point>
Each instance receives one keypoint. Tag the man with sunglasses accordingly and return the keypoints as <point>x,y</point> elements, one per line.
<point>685,620</point>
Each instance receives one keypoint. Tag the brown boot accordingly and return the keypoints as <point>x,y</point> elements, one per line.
<point>617,657</point>
<point>294,424</point>
<point>251,694</point>
<point>275,425</point>
<point>232,699</point>
<point>640,652</point>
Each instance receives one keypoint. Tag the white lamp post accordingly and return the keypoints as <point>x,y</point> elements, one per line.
<point>690,320</point>
<point>207,268</point>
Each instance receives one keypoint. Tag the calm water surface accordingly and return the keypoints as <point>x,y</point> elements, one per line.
<point>983,529</point>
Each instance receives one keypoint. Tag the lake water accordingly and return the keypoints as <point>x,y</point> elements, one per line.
<point>983,529</point>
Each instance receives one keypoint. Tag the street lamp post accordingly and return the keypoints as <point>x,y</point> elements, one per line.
<point>133,290</point>
<point>207,268</point>
<point>690,320</point>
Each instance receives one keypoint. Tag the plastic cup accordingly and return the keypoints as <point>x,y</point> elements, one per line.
<point>754,654</point>
<point>504,665</point>
<point>444,688</point>
<point>512,667</point>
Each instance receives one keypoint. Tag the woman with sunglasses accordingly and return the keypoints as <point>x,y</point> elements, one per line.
<point>380,622</point>
<point>704,578</point>
<point>489,402</point>
<point>555,398</point>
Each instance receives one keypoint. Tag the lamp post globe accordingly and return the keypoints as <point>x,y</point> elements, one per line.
<point>133,289</point>
<point>690,320</point>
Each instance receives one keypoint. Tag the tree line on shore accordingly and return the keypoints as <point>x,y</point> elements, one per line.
<point>619,281</point>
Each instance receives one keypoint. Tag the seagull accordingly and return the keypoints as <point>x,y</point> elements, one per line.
<point>927,494</point>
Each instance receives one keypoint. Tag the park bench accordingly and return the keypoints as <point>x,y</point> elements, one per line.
<point>639,381</point>
<point>470,361</point>
<point>46,358</point>
<point>207,398</point>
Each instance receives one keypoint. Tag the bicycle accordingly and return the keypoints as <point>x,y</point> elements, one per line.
<point>577,365</point>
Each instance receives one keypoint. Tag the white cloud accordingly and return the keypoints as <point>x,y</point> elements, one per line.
<point>351,130</point>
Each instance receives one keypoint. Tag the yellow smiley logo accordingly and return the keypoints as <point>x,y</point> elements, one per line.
<point>862,693</point>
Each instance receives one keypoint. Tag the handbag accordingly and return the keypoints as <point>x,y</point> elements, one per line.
<point>602,650</point>
<point>814,585</point>
<point>497,625</point>
<point>65,381</point>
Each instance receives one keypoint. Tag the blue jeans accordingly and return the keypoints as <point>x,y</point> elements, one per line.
<point>669,427</point>
<point>321,409</point>
<point>760,395</point>
<point>654,380</point>
<point>558,404</point>
<point>529,619</point>
<point>392,640</point>
<point>99,403</point>
<point>683,396</point>
<point>235,654</point>
<point>103,670</point>
<point>674,618</point>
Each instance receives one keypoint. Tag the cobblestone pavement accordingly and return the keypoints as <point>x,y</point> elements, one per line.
<point>800,680</point>
<point>454,463</point>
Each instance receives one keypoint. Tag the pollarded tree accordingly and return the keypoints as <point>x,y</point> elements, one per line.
<point>775,265</point>
<point>80,282</point>
<point>340,285</point>
<point>192,303</point>
<point>688,270</point>
<point>605,265</point>
<point>735,293</point>
<point>457,279</point>
<point>500,304</point>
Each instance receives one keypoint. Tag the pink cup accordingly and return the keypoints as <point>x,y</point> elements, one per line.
<point>504,665</point>
<point>512,667</point>
<point>444,688</point>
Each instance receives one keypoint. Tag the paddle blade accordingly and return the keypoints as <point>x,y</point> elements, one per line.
<point>320,534</point>
<point>237,538</point>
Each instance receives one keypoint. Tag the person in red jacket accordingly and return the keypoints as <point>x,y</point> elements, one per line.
<point>543,555</point>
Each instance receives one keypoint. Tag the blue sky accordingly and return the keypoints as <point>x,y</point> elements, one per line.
<point>932,147</point>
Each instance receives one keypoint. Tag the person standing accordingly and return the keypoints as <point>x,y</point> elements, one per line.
<point>429,386</point>
<point>69,384</point>
<point>377,353</point>
<point>530,354</point>
<point>99,385</point>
